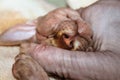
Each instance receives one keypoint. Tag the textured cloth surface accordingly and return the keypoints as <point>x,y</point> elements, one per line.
<point>7,55</point>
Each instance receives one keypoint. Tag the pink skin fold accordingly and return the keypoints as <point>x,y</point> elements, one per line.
<point>77,65</point>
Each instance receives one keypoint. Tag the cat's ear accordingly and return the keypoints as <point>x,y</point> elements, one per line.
<point>18,33</point>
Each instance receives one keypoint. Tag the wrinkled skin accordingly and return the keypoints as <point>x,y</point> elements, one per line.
<point>57,28</point>
<point>65,36</point>
<point>62,25</point>
<point>102,64</point>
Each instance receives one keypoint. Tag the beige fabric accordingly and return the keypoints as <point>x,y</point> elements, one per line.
<point>7,55</point>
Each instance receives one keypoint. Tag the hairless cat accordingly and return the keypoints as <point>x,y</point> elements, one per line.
<point>100,64</point>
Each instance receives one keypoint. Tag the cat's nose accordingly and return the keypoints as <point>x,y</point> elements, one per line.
<point>68,41</point>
